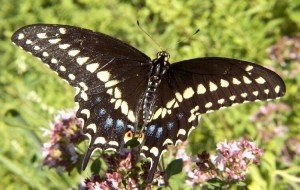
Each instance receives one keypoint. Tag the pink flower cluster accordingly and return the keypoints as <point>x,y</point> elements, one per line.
<point>228,165</point>
<point>65,133</point>
<point>235,157</point>
<point>120,174</point>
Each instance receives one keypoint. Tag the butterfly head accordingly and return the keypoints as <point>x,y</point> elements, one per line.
<point>163,55</point>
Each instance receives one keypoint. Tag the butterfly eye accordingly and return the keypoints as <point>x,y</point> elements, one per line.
<point>159,54</point>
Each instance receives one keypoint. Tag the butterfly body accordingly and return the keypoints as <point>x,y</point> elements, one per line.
<point>158,69</point>
<point>121,92</point>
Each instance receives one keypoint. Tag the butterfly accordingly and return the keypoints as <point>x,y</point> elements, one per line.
<point>122,94</point>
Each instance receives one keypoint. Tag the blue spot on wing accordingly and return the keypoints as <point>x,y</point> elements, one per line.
<point>170,125</point>
<point>109,122</point>
<point>150,130</point>
<point>179,116</point>
<point>98,99</point>
<point>159,132</point>
<point>102,112</point>
<point>119,124</point>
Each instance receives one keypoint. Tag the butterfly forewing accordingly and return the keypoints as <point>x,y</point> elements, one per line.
<point>214,83</point>
<point>104,72</point>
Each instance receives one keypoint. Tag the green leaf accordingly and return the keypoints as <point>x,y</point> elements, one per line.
<point>174,167</point>
<point>96,166</point>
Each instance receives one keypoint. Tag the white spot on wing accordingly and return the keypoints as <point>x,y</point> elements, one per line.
<point>145,148</point>
<point>188,93</point>
<point>208,105</point>
<point>84,86</point>
<point>28,42</point>
<point>77,106</point>
<point>163,113</point>
<point>109,91</point>
<point>62,30</point>
<point>111,83</point>
<point>154,151</point>
<point>73,52</point>
<point>247,80</point>
<point>267,91</point>
<point>232,98</point>
<point>260,80</point>
<point>84,96</point>
<point>255,93</point>
<point>100,140</point>
<point>236,81</point>
<point>131,116</point>
<point>224,83</point>
<point>157,113</point>
<point>112,100</point>
<point>192,118</point>
<point>249,68</point>
<point>201,89</point>
<point>54,41</point>
<point>244,95</point>
<point>181,132</point>
<point>103,76</point>
<point>124,108</point>
<point>64,46</point>
<point>36,48</point>
<point>191,129</point>
<point>221,101</point>
<point>277,89</point>
<point>92,67</point>
<point>92,126</point>
<point>118,93</point>
<point>62,68</point>
<point>113,143</point>
<point>170,103</point>
<point>176,105</point>
<point>118,104</point>
<point>42,35</point>
<point>45,54</point>
<point>81,60</point>
<point>212,86</point>
<point>167,141</point>
<point>111,149</point>
<point>71,76</point>
<point>53,60</point>
<point>21,36</point>
<point>178,96</point>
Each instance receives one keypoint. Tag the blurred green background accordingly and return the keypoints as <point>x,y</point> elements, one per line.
<point>30,94</point>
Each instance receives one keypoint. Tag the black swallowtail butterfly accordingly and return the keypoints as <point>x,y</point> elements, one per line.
<point>120,90</point>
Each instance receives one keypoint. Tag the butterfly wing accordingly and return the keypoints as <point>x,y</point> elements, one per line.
<point>108,75</point>
<point>193,87</point>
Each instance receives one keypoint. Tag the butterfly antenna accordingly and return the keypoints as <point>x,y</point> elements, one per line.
<point>185,39</point>
<point>140,27</point>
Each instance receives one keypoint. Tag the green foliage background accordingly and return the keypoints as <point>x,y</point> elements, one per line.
<point>30,94</point>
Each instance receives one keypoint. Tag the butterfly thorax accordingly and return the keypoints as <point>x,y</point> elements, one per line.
<point>158,69</point>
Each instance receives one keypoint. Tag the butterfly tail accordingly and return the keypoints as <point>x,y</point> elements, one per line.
<point>87,157</point>
<point>154,162</point>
